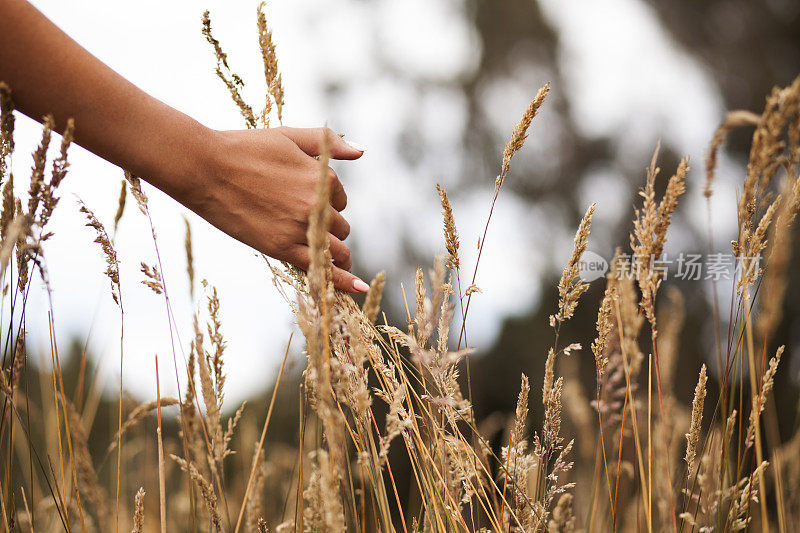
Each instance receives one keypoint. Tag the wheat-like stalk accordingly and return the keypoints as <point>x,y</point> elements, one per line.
<point>372,302</point>
<point>450,231</point>
<point>432,463</point>
<point>693,436</point>
<point>520,132</point>
<point>570,288</point>
<point>138,514</point>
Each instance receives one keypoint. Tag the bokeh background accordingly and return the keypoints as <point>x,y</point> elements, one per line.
<point>433,88</point>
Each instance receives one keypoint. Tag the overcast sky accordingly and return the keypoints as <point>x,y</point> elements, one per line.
<point>158,46</point>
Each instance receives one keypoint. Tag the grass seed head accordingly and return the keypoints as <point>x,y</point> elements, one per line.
<point>123,195</point>
<point>693,436</point>
<point>520,133</point>
<point>450,231</point>
<point>571,287</point>
<point>372,303</point>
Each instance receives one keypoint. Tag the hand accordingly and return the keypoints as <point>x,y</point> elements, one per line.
<point>260,188</point>
<point>257,186</point>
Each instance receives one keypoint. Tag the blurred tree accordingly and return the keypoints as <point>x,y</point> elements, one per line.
<point>748,47</point>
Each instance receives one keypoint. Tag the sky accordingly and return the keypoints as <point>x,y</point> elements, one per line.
<point>624,78</point>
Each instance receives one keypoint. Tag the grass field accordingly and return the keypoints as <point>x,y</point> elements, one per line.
<point>377,400</point>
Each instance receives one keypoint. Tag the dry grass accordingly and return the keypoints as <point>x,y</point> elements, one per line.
<point>622,470</point>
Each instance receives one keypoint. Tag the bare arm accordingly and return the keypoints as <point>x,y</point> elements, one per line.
<point>257,186</point>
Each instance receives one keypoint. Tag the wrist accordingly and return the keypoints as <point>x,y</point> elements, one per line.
<point>188,167</point>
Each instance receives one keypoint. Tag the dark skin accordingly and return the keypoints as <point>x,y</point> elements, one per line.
<point>258,186</point>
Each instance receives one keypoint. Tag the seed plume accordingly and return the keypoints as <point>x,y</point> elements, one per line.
<point>571,287</point>
<point>112,263</point>
<point>138,513</point>
<point>232,81</point>
<point>271,73</point>
<point>693,437</point>
<point>450,231</point>
<point>733,119</point>
<point>123,195</point>
<point>520,132</point>
<point>760,397</point>
<point>372,303</point>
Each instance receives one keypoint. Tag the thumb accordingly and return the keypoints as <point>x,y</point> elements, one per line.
<point>309,140</point>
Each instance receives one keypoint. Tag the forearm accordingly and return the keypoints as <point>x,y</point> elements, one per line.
<point>49,73</point>
<point>258,186</point>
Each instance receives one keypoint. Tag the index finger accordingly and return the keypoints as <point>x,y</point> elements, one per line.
<point>309,140</point>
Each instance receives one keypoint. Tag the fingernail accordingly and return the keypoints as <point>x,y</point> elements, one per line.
<point>360,286</point>
<point>356,146</point>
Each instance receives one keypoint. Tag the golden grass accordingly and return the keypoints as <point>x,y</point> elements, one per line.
<point>621,470</point>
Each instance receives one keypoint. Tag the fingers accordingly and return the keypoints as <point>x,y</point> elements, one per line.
<point>338,196</point>
<point>340,253</point>
<point>338,225</point>
<point>345,281</point>
<point>342,279</point>
<point>309,140</point>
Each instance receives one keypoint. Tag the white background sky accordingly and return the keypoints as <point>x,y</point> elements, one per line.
<point>623,76</point>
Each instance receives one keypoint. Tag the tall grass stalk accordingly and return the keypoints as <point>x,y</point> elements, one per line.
<point>379,404</point>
